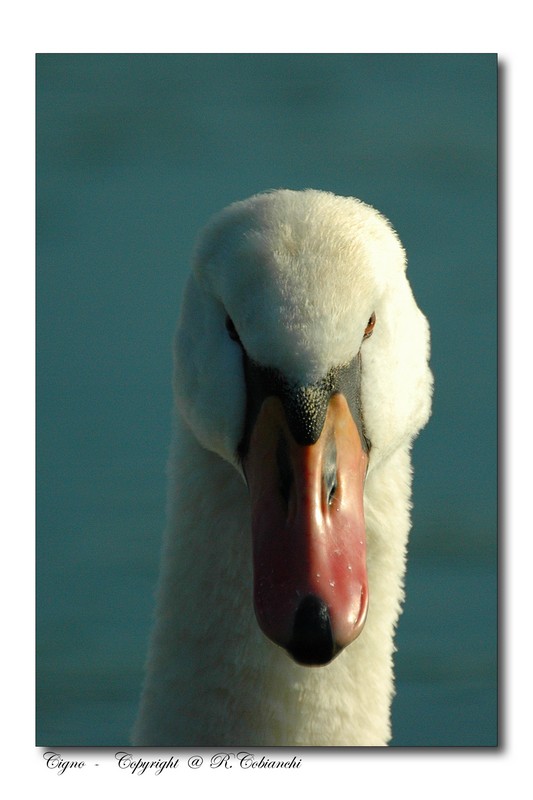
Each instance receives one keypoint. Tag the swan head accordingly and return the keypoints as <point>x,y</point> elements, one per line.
<point>302,359</point>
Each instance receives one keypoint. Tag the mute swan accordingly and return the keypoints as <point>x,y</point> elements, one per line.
<point>301,379</point>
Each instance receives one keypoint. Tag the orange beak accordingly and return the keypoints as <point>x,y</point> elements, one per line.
<point>309,547</point>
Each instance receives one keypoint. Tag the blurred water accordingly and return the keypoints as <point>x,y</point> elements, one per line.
<point>135,152</point>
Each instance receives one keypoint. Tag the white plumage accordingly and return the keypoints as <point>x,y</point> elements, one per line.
<point>295,278</point>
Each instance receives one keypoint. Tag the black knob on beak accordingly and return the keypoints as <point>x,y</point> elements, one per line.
<point>312,640</point>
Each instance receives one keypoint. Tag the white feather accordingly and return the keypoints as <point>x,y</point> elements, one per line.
<point>299,273</point>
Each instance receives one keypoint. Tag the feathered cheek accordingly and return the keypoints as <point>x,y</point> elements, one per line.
<point>209,386</point>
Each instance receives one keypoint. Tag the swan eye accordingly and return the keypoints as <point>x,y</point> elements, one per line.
<point>370,327</point>
<point>230,327</point>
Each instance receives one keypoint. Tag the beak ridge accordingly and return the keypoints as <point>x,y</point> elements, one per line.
<point>310,583</point>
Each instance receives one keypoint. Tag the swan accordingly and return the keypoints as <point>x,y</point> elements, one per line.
<point>301,377</point>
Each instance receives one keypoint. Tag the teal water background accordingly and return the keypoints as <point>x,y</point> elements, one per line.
<point>134,153</point>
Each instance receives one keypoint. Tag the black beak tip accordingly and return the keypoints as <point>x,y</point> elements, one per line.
<point>312,641</point>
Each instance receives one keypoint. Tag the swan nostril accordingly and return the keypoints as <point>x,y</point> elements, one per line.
<point>312,639</point>
<point>331,492</point>
<point>284,469</point>
<point>330,470</point>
